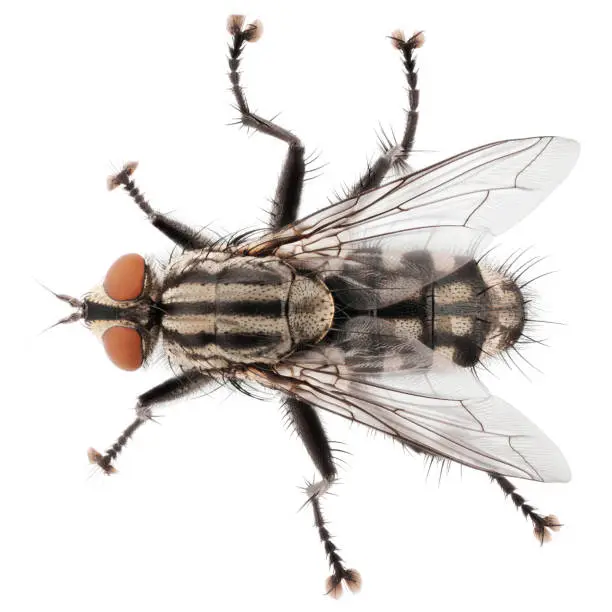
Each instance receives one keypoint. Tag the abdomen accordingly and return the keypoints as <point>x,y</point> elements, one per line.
<point>468,315</point>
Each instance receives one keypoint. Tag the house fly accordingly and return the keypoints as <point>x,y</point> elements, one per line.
<point>376,308</point>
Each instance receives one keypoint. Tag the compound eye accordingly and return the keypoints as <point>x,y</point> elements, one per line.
<point>123,346</point>
<point>125,279</point>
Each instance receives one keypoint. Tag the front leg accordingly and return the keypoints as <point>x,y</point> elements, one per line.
<point>289,190</point>
<point>186,237</point>
<point>171,389</point>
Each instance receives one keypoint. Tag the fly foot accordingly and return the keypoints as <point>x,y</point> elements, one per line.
<point>102,461</point>
<point>251,33</point>
<point>351,577</point>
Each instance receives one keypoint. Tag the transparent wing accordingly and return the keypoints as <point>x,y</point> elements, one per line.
<point>427,402</point>
<point>450,210</point>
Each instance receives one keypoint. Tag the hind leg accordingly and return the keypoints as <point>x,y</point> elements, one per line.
<point>394,154</point>
<point>542,525</point>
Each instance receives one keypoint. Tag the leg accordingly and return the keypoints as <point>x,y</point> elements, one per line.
<point>172,389</point>
<point>310,429</point>
<point>395,154</point>
<point>291,181</point>
<point>542,525</point>
<point>182,235</point>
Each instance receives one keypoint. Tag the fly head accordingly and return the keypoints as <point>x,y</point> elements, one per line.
<point>124,312</point>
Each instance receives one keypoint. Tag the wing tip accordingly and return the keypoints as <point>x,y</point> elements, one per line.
<point>551,464</point>
<point>569,147</point>
<point>550,162</point>
<point>564,151</point>
<point>561,471</point>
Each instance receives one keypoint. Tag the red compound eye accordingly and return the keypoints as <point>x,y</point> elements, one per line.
<point>125,278</point>
<point>123,346</point>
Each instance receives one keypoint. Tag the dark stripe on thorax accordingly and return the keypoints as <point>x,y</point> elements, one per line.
<point>267,308</point>
<point>230,341</point>
<point>241,275</point>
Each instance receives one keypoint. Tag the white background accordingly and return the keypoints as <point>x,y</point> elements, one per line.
<point>203,512</point>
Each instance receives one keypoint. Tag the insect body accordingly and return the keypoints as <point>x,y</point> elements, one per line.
<point>375,308</point>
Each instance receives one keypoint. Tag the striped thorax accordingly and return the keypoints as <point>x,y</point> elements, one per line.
<point>222,309</point>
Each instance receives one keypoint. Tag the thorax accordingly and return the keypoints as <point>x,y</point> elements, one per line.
<point>222,309</point>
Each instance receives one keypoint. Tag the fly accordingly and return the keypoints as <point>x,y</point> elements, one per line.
<point>375,308</point>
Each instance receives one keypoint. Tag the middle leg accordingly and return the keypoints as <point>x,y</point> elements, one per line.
<point>310,429</point>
